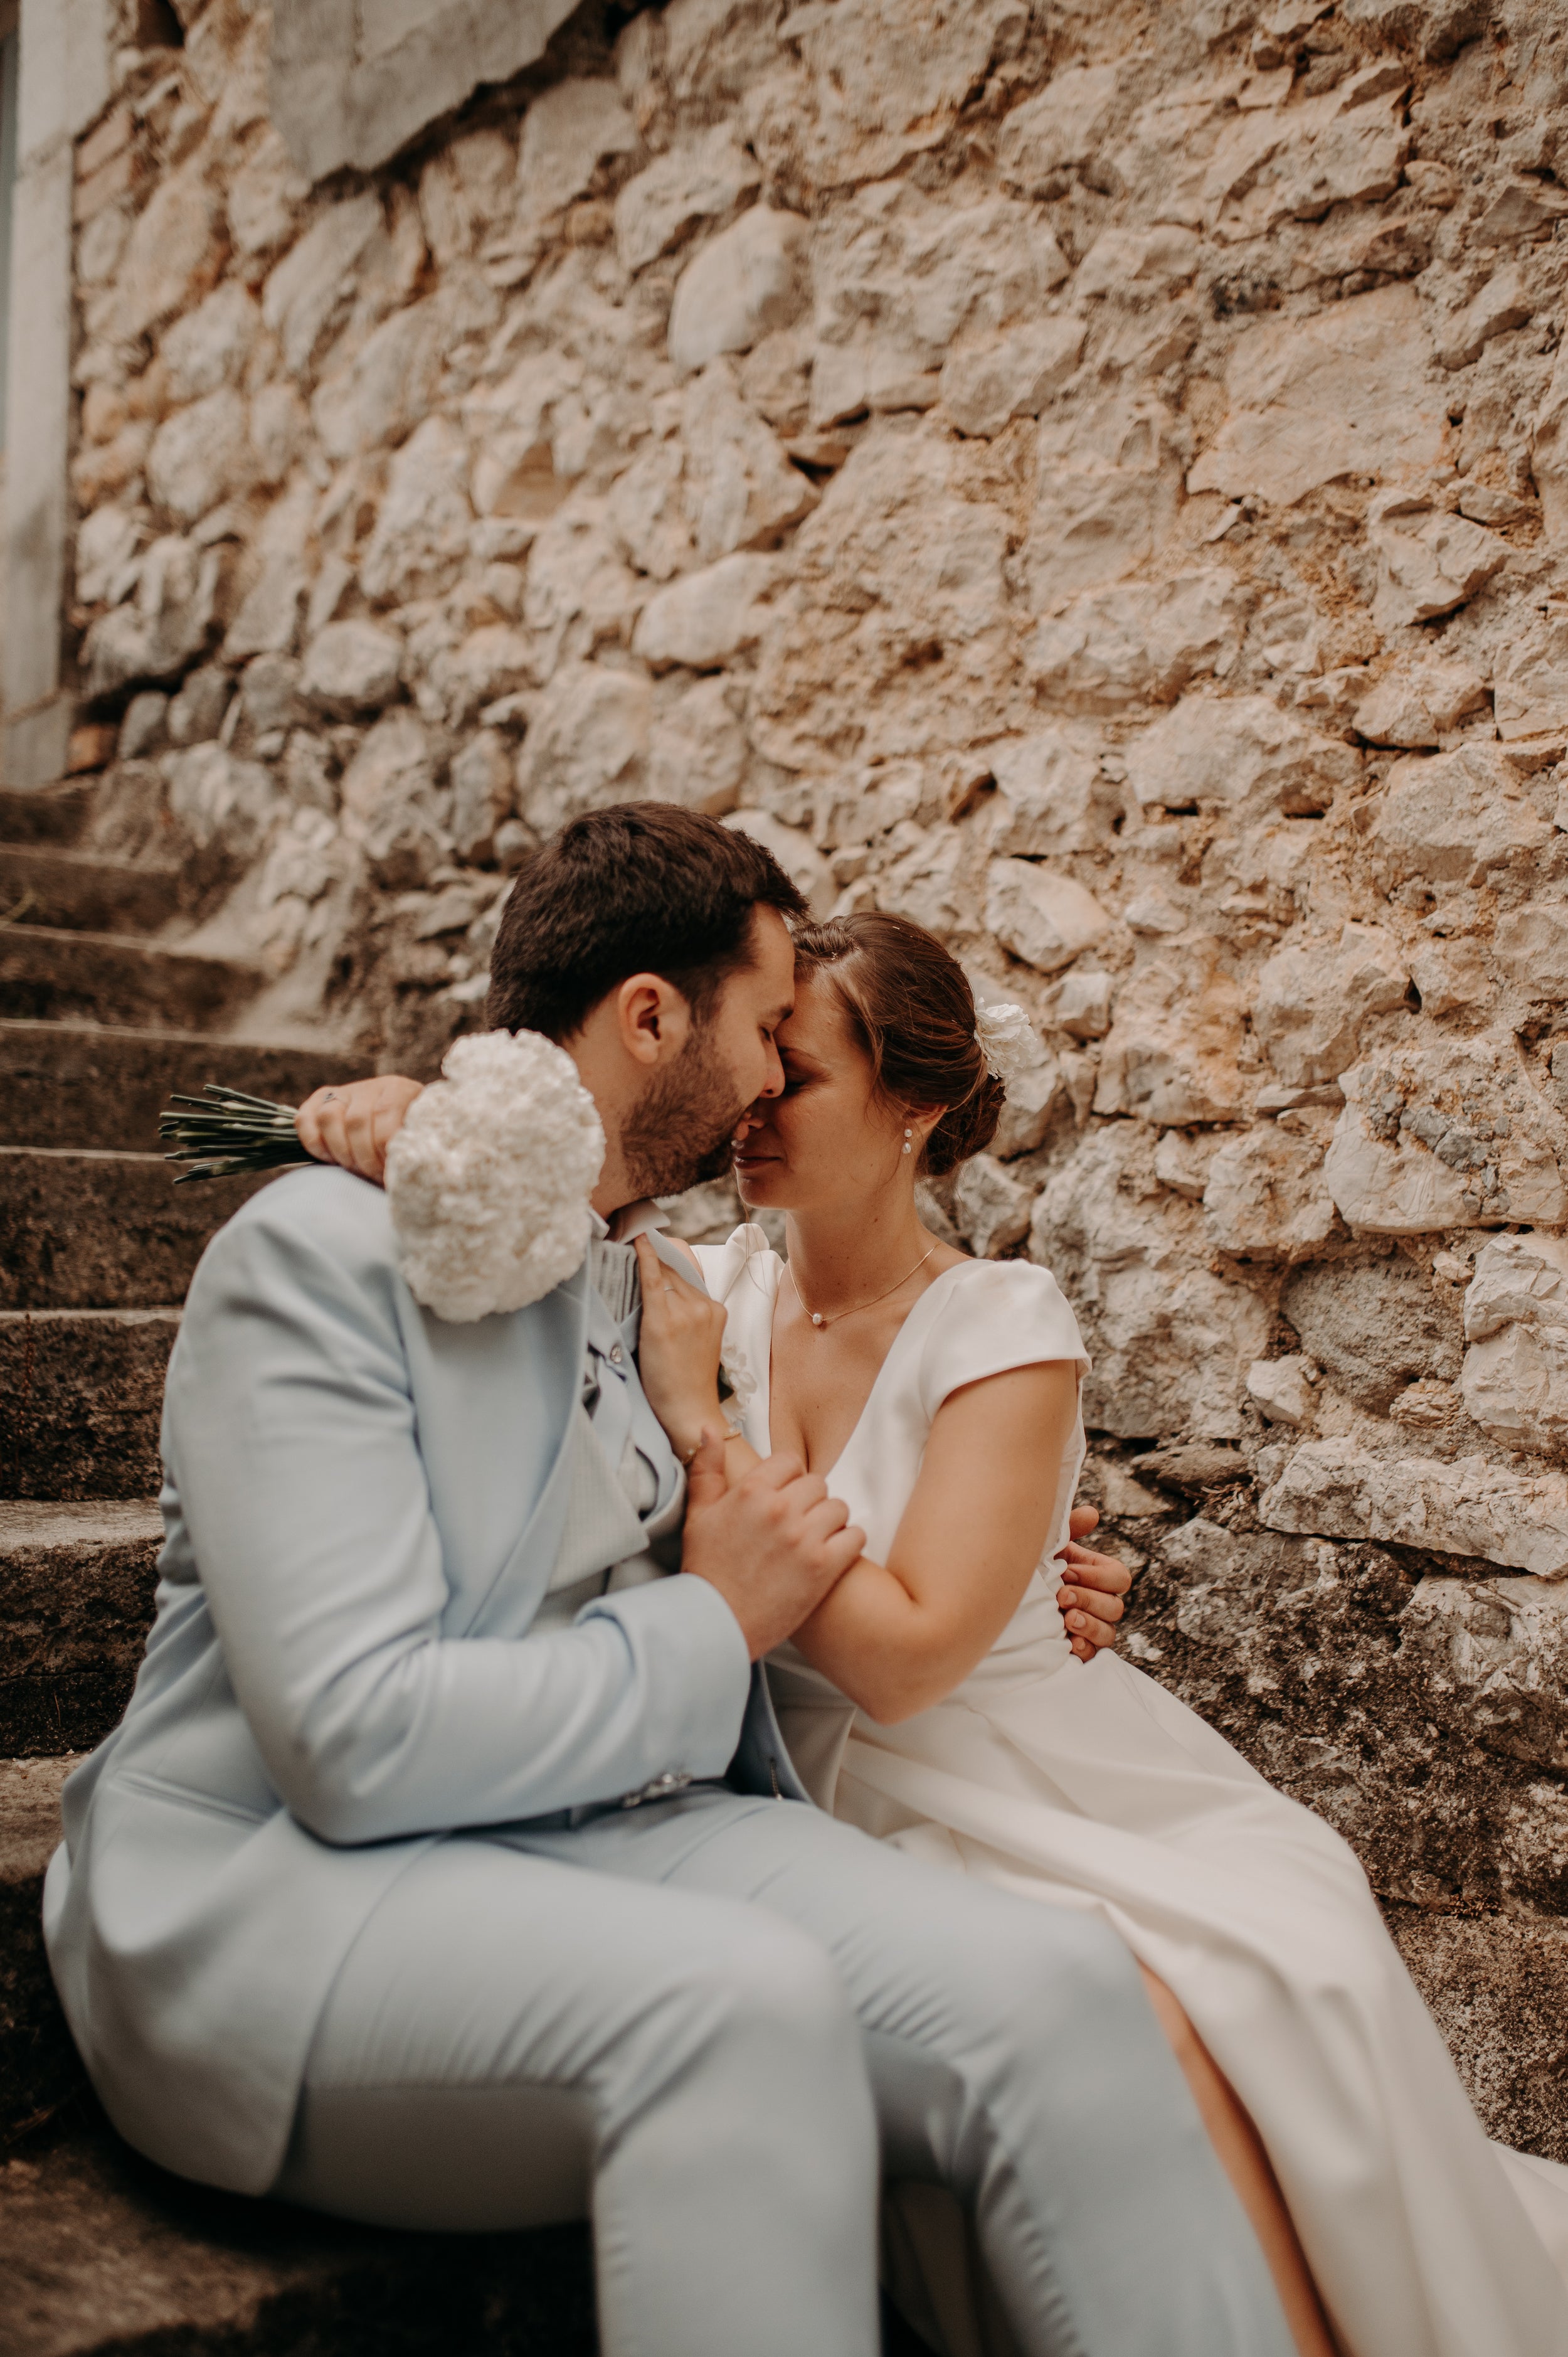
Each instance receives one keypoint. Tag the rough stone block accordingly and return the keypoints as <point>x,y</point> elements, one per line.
<point>749,280</point>
<point>1452,1138</point>
<point>1339,1489</point>
<point>1045,920</point>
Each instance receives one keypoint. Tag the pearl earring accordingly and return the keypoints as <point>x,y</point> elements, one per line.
<point>909,1133</point>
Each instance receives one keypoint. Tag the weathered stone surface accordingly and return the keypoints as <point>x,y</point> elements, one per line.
<point>1429,562</point>
<point>200,455</point>
<point>156,636</point>
<point>1170,1054</point>
<point>1051,797</point>
<point>1374,1326</point>
<point>904,288</point>
<point>587,747</point>
<point>350,668</point>
<point>422,531</point>
<point>1283,1389</point>
<point>740,488</point>
<point>1141,643</point>
<point>1049,136</point>
<point>1532,685</point>
<point>1171,1343</point>
<point>1012,375</point>
<point>679,191</point>
<point>482,778</point>
<point>697,750</point>
<point>1515,1378</point>
<point>213,798</point>
<point>1450,1137</point>
<point>1106,494</point>
<point>393,805</point>
<point>1238,751</point>
<point>1265,1198</point>
<point>1346,392</point>
<point>1532,947</point>
<point>992,1208</point>
<point>1414,704</point>
<point>1313,999</point>
<point>311,288</point>
<point>1502,303</point>
<point>706,617</point>
<point>1502,1644</point>
<point>1469,1507</point>
<point>1044,919</point>
<point>567,134</point>
<point>209,346</point>
<point>749,280</point>
<point>1451,817</point>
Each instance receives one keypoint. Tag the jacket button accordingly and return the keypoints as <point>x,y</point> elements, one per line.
<point>616,1354</point>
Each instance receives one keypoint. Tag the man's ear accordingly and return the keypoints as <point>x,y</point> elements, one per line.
<point>654,1018</point>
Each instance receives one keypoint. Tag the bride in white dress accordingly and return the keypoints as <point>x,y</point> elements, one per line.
<point>936,1700</point>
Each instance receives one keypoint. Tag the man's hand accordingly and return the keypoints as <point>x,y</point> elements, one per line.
<point>1092,1605</point>
<point>356,1123</point>
<point>772,1547</point>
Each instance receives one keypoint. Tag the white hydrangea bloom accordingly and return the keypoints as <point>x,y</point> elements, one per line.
<point>489,1176</point>
<point>1006,1038</point>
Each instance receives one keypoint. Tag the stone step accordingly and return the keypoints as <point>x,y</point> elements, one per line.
<point>87,1084</point>
<point>81,1395</point>
<point>42,885</point>
<point>104,1231</point>
<point>44,813</point>
<point>38,2065</point>
<point>77,1582</point>
<point>48,975</point>
<point>107,2257</point>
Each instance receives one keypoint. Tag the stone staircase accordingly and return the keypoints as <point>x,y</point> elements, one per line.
<point>101,2254</point>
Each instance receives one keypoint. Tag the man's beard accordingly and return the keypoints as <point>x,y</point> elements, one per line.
<point>678,1133</point>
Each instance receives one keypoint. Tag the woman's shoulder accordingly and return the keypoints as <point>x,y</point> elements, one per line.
<point>994,1315</point>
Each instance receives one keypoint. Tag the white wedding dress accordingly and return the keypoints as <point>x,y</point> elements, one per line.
<point>1089,1785</point>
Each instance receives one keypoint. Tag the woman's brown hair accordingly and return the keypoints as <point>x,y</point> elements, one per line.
<point>909,1005</point>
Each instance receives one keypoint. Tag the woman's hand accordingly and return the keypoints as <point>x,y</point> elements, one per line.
<point>678,1355</point>
<point>1092,1606</point>
<point>355,1124</point>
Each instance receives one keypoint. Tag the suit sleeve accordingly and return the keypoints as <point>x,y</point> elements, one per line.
<point>290,1437</point>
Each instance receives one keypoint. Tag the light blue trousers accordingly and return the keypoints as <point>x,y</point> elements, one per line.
<point>707,2025</point>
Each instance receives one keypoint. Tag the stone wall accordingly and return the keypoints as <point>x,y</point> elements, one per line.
<point>1092,478</point>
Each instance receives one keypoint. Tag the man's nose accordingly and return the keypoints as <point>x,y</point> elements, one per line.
<point>773,1085</point>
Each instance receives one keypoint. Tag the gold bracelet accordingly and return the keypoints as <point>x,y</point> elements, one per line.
<point>685,1456</point>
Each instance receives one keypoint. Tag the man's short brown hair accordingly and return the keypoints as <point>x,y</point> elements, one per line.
<point>643,888</point>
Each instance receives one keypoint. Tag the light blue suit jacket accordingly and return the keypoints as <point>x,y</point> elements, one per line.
<point>362,1508</point>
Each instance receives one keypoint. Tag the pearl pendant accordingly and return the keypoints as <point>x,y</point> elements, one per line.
<point>816,1316</point>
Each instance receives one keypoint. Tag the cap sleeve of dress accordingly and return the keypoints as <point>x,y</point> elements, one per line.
<point>998,1314</point>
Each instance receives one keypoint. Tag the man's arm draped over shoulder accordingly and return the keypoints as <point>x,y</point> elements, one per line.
<point>291,1434</point>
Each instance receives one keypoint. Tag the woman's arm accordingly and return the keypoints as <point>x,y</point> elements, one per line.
<point>945,1598</point>
<point>355,1123</point>
<point>899,1636</point>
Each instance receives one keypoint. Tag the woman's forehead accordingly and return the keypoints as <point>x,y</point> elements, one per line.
<point>817,1026</point>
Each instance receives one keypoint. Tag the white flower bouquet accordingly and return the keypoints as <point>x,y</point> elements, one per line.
<point>488,1181</point>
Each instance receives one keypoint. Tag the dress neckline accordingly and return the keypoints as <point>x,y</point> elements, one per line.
<point>766,1377</point>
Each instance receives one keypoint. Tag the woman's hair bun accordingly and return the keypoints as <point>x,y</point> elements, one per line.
<point>910,1005</point>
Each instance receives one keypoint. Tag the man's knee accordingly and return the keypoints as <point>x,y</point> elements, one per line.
<point>1034,1966</point>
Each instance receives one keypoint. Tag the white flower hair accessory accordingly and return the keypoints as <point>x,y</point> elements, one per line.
<point>1006,1040</point>
<point>489,1176</point>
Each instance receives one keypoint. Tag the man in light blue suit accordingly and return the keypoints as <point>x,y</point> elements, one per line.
<point>446,1869</point>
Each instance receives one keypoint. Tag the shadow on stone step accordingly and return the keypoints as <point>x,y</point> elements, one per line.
<point>105,2253</point>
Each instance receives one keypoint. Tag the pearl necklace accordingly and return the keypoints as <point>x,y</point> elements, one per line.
<point>822,1323</point>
